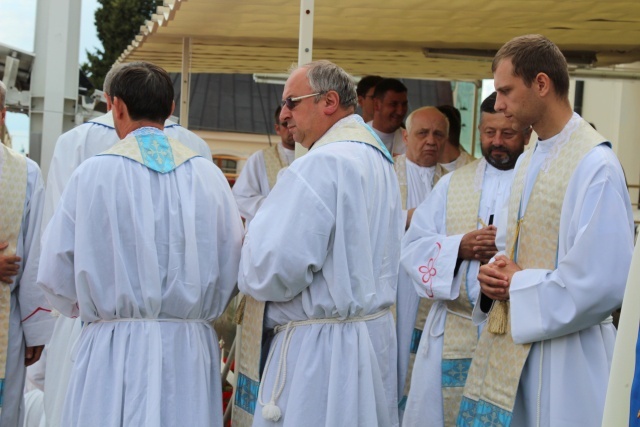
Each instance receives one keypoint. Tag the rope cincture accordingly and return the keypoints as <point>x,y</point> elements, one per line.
<point>271,411</point>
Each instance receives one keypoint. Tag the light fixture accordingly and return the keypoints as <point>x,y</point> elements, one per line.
<point>276,79</point>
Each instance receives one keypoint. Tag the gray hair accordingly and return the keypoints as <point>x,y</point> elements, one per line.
<point>106,85</point>
<point>409,120</point>
<point>324,76</point>
<point>3,95</point>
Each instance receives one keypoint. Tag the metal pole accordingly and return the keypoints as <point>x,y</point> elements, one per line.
<point>185,79</point>
<point>305,38</point>
<point>477,94</point>
<point>305,45</point>
<point>54,81</point>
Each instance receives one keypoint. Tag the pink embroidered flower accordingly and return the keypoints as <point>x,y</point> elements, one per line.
<point>429,271</point>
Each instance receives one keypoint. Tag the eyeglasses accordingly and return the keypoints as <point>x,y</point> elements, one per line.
<point>292,102</point>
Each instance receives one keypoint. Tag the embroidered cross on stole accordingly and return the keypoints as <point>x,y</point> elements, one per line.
<point>493,379</point>
<point>154,150</point>
<point>400,166</point>
<point>13,192</point>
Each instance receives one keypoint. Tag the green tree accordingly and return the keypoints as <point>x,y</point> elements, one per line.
<point>117,22</point>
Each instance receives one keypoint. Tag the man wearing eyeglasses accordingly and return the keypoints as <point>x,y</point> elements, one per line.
<point>390,108</point>
<point>323,253</point>
<point>261,171</point>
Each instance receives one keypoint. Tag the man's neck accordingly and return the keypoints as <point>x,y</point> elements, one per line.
<point>415,162</point>
<point>377,126</point>
<point>287,146</point>
<point>554,119</point>
<point>130,126</point>
<point>449,154</point>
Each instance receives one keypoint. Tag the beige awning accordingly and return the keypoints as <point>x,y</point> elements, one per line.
<point>392,38</point>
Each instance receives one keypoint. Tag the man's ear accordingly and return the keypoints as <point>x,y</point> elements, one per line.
<point>119,108</point>
<point>331,102</point>
<point>405,136</point>
<point>542,84</point>
<point>377,104</point>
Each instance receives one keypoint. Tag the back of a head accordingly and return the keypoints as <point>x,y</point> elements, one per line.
<point>489,103</point>
<point>366,83</point>
<point>276,116</point>
<point>532,54</point>
<point>385,85</point>
<point>455,122</point>
<point>145,89</point>
<point>324,76</point>
<point>106,84</point>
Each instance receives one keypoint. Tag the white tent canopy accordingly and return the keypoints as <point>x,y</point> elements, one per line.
<point>438,39</point>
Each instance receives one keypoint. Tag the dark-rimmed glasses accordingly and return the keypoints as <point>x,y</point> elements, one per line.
<point>292,102</point>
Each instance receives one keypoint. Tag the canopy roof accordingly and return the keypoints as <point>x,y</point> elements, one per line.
<point>388,38</point>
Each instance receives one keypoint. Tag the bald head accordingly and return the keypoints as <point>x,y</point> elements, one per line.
<point>425,136</point>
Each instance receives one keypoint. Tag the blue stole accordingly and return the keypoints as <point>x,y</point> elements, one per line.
<point>151,147</point>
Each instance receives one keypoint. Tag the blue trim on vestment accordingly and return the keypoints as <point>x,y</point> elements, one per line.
<point>383,148</point>
<point>454,372</point>
<point>100,124</point>
<point>1,391</point>
<point>403,403</point>
<point>482,414</point>
<point>415,340</point>
<point>247,393</point>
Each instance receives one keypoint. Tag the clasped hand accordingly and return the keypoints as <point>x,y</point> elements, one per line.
<point>479,245</point>
<point>495,278</point>
<point>9,266</point>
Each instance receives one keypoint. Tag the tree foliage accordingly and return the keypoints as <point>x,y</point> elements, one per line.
<point>117,22</point>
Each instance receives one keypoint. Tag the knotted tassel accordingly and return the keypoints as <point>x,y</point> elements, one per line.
<point>498,317</point>
<point>240,310</point>
<point>271,412</point>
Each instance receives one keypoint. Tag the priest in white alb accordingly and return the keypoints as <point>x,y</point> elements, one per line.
<point>418,171</point>
<point>323,252</point>
<point>25,320</point>
<point>71,149</point>
<point>144,248</point>
<point>450,235</point>
<point>544,356</point>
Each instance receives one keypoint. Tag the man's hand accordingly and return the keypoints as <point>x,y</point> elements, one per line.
<point>32,354</point>
<point>479,245</point>
<point>495,278</point>
<point>9,265</point>
<point>409,216</point>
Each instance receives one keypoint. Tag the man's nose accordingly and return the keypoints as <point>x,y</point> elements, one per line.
<point>285,114</point>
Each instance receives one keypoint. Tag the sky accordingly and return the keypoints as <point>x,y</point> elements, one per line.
<point>17,29</point>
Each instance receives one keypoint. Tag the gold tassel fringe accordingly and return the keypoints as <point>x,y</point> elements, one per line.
<point>498,318</point>
<point>240,310</point>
